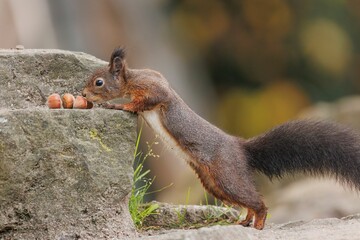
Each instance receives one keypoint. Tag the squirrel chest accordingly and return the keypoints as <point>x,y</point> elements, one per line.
<point>154,119</point>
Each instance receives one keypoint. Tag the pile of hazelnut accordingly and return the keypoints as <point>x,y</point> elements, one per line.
<point>68,101</point>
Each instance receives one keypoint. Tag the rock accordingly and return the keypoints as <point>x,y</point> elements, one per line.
<point>65,173</point>
<point>345,110</point>
<point>188,216</point>
<point>172,217</point>
<point>311,198</point>
<point>29,76</point>
<point>331,228</point>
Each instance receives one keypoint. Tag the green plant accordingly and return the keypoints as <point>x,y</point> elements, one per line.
<point>141,185</point>
<point>139,211</point>
<point>181,213</point>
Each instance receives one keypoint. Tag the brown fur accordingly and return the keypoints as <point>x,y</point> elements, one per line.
<point>211,150</point>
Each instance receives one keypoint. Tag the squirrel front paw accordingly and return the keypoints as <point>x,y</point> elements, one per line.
<point>107,105</point>
<point>113,106</point>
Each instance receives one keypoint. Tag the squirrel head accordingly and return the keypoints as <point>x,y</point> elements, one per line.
<point>108,83</point>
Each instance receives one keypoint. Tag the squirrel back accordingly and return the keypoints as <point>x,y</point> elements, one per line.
<point>225,163</point>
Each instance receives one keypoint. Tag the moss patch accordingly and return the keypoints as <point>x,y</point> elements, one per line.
<point>95,136</point>
<point>167,216</point>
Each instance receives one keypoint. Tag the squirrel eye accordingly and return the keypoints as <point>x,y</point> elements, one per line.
<point>99,82</point>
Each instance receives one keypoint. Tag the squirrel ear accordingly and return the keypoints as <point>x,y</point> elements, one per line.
<point>117,61</point>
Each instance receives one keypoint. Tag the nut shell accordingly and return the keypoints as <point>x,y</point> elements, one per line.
<point>68,100</point>
<point>54,101</point>
<point>89,105</point>
<point>80,102</point>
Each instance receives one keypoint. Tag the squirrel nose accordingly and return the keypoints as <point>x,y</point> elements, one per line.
<point>84,93</point>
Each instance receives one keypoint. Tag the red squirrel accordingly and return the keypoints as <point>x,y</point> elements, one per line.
<point>226,164</point>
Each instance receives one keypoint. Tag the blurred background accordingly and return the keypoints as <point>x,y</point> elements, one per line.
<point>244,65</point>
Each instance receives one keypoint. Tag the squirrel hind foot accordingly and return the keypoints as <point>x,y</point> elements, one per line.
<point>259,218</point>
<point>248,219</point>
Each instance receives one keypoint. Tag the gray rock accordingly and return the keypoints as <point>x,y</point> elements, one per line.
<point>311,198</point>
<point>345,110</point>
<point>331,228</point>
<point>28,76</point>
<point>188,216</point>
<point>65,174</point>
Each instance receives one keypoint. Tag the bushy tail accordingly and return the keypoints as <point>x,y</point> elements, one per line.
<point>314,147</point>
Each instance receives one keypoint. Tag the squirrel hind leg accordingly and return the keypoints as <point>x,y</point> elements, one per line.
<point>248,219</point>
<point>259,216</point>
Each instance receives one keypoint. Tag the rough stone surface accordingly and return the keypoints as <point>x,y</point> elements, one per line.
<point>346,111</point>
<point>311,198</point>
<point>331,228</point>
<point>346,228</point>
<point>189,216</point>
<point>28,76</point>
<point>65,174</point>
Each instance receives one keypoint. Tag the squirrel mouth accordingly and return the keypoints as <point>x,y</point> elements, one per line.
<point>94,99</point>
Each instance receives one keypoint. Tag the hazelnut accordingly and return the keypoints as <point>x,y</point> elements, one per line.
<point>80,102</point>
<point>89,105</point>
<point>54,101</point>
<point>68,100</point>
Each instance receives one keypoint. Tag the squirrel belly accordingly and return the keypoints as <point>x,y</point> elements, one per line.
<point>153,120</point>
<point>219,159</point>
<point>158,121</point>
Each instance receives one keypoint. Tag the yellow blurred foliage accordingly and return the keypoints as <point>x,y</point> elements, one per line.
<point>268,19</point>
<point>248,113</point>
<point>327,45</point>
<point>201,23</point>
<point>259,38</point>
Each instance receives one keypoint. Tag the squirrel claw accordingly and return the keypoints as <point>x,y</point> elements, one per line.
<point>108,105</point>
<point>113,106</point>
<point>248,219</point>
<point>245,222</point>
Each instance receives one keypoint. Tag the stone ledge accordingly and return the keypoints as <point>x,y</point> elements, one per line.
<point>28,76</point>
<point>66,174</point>
<point>331,228</point>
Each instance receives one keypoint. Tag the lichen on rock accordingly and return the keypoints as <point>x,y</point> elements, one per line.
<point>56,180</point>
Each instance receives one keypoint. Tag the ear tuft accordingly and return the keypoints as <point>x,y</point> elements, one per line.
<point>118,52</point>
<point>117,61</point>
